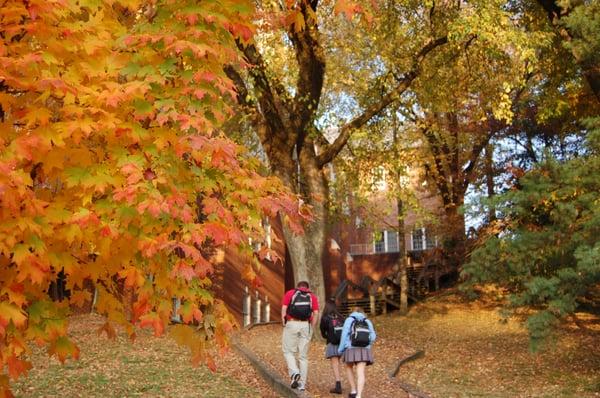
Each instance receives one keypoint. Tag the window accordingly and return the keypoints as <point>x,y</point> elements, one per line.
<point>391,240</point>
<point>422,239</point>
<point>385,242</point>
<point>379,242</point>
<point>417,239</point>
<point>429,239</point>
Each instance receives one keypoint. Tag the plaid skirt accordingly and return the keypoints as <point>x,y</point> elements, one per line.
<point>358,354</point>
<point>331,351</point>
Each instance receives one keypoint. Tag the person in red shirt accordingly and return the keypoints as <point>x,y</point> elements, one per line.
<point>299,315</point>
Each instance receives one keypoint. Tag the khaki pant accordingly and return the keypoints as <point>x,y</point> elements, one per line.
<point>296,338</point>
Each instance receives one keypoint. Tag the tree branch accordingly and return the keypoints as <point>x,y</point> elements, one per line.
<point>276,132</point>
<point>440,171</point>
<point>311,64</point>
<point>240,85</point>
<point>404,83</point>
<point>590,69</point>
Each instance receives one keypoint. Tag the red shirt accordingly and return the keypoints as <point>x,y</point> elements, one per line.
<point>287,298</point>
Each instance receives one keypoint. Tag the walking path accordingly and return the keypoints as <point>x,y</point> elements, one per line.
<point>265,342</point>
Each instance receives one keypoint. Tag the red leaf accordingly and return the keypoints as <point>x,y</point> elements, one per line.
<point>210,363</point>
<point>153,320</point>
<point>183,270</point>
<point>17,367</point>
<point>217,231</point>
<point>149,175</point>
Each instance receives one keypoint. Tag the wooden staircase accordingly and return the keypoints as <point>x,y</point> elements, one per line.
<point>380,296</point>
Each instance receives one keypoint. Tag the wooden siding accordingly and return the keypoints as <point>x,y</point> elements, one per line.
<point>229,285</point>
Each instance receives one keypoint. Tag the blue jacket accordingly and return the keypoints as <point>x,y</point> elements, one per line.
<point>345,341</point>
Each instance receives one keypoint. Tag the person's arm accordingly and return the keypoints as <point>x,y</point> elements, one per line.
<point>315,317</point>
<point>345,335</point>
<point>285,302</point>
<point>315,314</point>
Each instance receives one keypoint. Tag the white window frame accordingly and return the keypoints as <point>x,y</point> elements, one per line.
<point>424,234</point>
<point>423,239</point>
<point>388,239</point>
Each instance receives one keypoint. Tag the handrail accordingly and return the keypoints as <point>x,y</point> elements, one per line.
<point>344,286</point>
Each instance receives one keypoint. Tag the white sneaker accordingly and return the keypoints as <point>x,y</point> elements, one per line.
<point>301,386</point>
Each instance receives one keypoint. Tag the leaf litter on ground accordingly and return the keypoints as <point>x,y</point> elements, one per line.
<point>148,367</point>
<point>469,352</point>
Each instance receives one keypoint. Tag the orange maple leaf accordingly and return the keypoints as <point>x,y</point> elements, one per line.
<point>63,348</point>
<point>17,367</point>
<point>133,276</point>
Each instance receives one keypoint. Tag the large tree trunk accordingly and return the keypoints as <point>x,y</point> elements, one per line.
<point>454,238</point>
<point>402,260</point>
<point>306,250</point>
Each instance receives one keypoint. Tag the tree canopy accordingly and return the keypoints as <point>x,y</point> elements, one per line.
<point>114,170</point>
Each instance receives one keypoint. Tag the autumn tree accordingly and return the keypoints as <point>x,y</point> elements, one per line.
<point>292,100</point>
<point>113,168</point>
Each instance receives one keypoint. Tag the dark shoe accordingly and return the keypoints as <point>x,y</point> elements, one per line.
<point>295,380</point>
<point>337,389</point>
<point>352,395</point>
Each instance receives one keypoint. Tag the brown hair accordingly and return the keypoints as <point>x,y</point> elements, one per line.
<point>330,308</point>
<point>303,284</point>
<point>357,308</point>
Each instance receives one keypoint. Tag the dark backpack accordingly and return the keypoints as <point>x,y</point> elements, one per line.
<point>301,305</point>
<point>360,335</point>
<point>334,332</point>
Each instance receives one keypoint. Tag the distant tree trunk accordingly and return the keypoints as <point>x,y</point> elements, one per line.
<point>489,180</point>
<point>402,261</point>
<point>452,172</point>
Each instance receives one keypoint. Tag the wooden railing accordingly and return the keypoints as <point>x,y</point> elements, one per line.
<point>379,296</point>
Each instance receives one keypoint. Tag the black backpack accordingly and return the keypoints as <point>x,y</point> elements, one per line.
<point>334,331</point>
<point>360,335</point>
<point>301,305</point>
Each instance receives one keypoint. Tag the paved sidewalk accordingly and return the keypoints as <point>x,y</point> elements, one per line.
<point>265,343</point>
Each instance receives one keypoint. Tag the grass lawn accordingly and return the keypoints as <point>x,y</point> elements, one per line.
<point>150,367</point>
